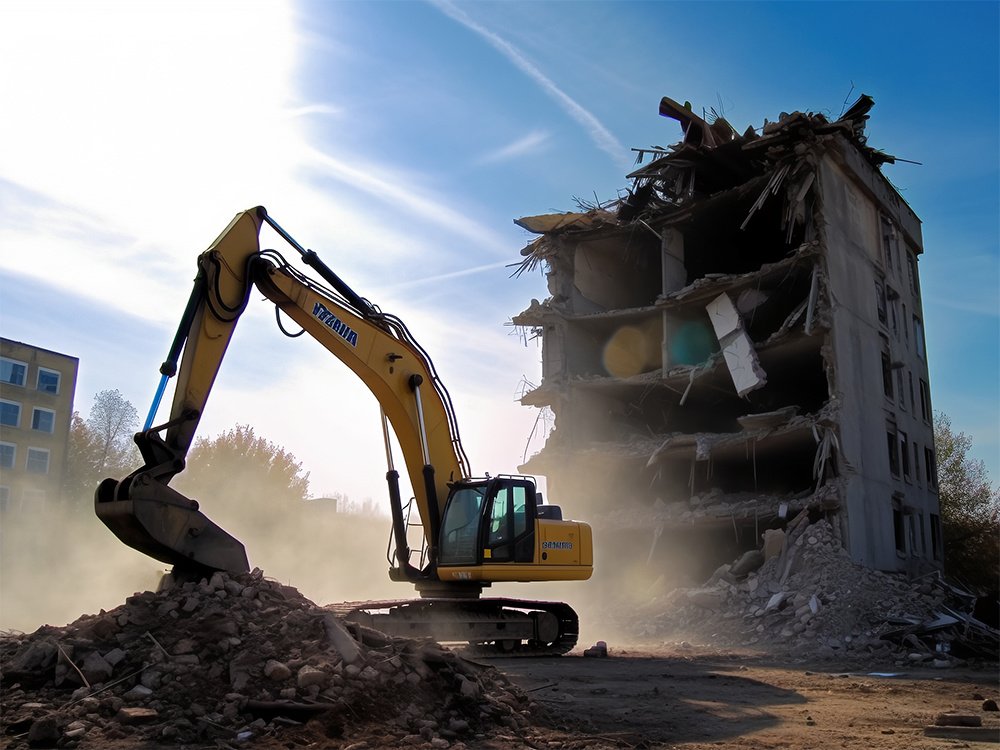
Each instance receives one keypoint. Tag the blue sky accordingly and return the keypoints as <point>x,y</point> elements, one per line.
<point>400,139</point>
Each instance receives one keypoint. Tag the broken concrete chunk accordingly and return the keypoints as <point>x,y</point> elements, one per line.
<point>95,668</point>
<point>741,359</point>
<point>137,693</point>
<point>276,671</point>
<point>308,676</point>
<point>131,715</point>
<point>725,319</point>
<point>774,541</point>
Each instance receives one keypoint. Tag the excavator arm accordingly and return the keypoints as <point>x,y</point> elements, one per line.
<point>477,531</point>
<point>147,514</point>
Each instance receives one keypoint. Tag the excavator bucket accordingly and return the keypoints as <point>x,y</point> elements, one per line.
<point>152,518</point>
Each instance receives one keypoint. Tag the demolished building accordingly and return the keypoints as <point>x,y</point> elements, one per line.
<point>737,340</point>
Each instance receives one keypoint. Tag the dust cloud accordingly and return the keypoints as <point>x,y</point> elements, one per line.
<point>56,567</point>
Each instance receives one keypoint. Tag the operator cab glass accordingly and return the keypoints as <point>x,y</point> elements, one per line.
<point>491,522</point>
<point>460,528</point>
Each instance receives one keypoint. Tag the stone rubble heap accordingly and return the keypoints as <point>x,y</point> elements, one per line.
<point>241,659</point>
<point>802,596</point>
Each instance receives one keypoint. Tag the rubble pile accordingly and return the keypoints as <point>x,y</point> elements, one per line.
<point>241,659</point>
<point>802,596</point>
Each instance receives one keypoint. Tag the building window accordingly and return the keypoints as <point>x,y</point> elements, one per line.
<point>925,401</point>
<point>893,444</point>
<point>893,296</point>
<point>913,403</point>
<point>888,239</point>
<point>936,535</point>
<point>8,452</point>
<point>898,527</point>
<point>886,375</point>
<point>10,413</point>
<point>911,264</point>
<point>904,452</point>
<point>48,380</point>
<point>916,462</point>
<point>902,391</point>
<point>918,337</point>
<point>43,420</point>
<point>880,302</point>
<point>12,371</point>
<point>930,468</point>
<point>38,461</point>
<point>4,498</point>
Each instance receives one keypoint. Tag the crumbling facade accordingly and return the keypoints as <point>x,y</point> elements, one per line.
<point>740,339</point>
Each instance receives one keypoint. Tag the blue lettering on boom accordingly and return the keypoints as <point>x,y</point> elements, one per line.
<point>331,321</point>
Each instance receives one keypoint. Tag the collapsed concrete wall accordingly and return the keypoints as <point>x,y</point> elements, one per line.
<point>739,339</point>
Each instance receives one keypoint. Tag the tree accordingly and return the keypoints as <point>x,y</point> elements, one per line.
<point>970,511</point>
<point>239,471</point>
<point>100,446</point>
<point>113,421</point>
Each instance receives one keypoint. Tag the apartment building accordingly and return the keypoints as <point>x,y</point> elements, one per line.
<point>37,387</point>
<point>737,340</point>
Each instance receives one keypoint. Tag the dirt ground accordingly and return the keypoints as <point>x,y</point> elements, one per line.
<point>685,698</point>
<point>679,697</point>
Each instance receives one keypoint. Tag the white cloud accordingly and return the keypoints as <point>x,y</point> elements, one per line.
<point>527,144</point>
<point>399,195</point>
<point>600,135</point>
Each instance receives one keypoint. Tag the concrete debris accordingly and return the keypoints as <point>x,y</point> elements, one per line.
<point>241,657</point>
<point>811,602</point>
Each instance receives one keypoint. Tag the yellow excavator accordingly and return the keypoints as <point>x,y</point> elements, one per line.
<point>476,531</point>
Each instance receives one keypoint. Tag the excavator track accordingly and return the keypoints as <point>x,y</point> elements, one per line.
<point>490,628</point>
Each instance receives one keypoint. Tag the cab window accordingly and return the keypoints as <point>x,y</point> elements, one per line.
<point>510,535</point>
<point>460,528</point>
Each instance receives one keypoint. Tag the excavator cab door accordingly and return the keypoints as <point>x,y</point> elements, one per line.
<point>510,522</point>
<point>489,522</point>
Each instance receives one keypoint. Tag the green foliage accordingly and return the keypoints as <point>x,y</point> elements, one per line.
<point>970,511</point>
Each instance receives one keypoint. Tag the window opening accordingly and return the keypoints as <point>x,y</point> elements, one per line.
<point>898,527</point>
<point>8,452</point>
<point>10,413</point>
<point>892,443</point>
<point>925,401</point>
<point>48,380</point>
<point>880,302</point>
<point>886,375</point>
<point>38,461</point>
<point>43,420</point>
<point>918,337</point>
<point>13,371</point>
<point>930,468</point>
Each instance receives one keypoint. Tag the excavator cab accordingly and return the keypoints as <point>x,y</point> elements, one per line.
<point>496,529</point>
<point>489,522</point>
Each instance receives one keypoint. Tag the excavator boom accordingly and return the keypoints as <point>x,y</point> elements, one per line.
<point>476,531</point>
